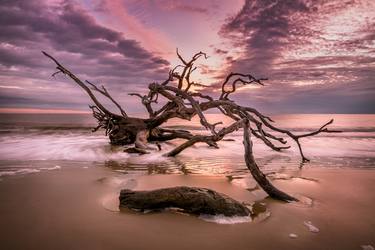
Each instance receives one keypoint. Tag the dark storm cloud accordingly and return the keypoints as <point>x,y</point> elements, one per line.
<point>67,28</point>
<point>318,55</point>
<point>74,37</point>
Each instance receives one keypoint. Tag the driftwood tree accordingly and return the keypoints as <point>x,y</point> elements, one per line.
<point>181,102</point>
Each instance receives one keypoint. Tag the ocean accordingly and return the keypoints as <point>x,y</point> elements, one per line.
<point>31,143</point>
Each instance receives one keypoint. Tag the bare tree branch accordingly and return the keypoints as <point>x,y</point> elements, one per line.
<point>180,102</point>
<point>239,79</point>
<point>104,92</point>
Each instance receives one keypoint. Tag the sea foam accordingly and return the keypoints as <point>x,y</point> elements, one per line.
<point>222,219</point>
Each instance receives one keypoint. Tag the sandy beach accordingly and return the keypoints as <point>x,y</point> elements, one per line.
<point>76,208</point>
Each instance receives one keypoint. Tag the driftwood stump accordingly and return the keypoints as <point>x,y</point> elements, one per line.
<point>190,200</point>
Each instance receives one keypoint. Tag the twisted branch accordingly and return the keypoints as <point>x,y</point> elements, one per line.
<point>181,103</point>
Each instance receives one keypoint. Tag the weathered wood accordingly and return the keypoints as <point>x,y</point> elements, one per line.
<point>190,200</point>
<point>183,103</point>
<point>260,178</point>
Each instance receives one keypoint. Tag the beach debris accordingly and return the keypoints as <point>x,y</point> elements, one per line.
<point>367,247</point>
<point>311,227</point>
<point>293,236</point>
<point>175,98</point>
<point>191,200</point>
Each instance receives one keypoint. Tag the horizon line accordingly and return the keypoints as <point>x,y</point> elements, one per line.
<point>72,111</point>
<point>41,111</point>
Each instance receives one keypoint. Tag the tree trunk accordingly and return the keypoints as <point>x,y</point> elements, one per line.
<point>260,178</point>
<point>190,200</point>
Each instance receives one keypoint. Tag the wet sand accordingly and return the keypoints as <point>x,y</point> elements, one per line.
<point>75,208</point>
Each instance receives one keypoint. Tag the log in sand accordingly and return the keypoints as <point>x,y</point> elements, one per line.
<point>192,200</point>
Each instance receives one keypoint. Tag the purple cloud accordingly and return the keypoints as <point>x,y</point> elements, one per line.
<point>318,55</point>
<point>67,31</point>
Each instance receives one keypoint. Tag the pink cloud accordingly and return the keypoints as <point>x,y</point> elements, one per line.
<point>149,37</point>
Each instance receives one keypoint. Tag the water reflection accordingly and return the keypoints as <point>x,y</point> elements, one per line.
<point>234,167</point>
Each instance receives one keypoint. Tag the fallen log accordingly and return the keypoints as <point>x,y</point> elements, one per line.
<point>180,97</point>
<point>191,200</point>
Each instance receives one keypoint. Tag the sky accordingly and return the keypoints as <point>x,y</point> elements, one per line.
<point>318,55</point>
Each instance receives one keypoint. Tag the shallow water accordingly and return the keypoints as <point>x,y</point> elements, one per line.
<point>33,140</point>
